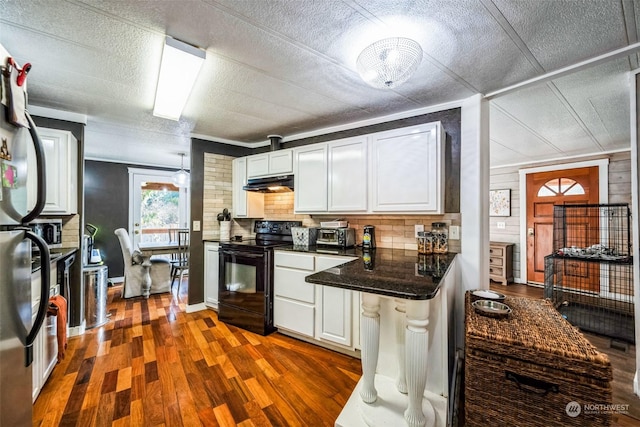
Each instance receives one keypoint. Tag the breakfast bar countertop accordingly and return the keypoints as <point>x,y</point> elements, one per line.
<point>391,272</point>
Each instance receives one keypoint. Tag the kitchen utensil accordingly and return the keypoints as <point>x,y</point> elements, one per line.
<point>491,308</point>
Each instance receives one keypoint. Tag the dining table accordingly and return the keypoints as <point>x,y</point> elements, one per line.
<point>148,249</point>
<point>158,248</point>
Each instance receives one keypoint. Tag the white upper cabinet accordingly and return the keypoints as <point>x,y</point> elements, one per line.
<point>347,161</point>
<point>310,178</point>
<point>272,163</point>
<point>407,169</point>
<point>331,177</point>
<point>61,159</point>
<point>246,204</point>
<point>281,162</point>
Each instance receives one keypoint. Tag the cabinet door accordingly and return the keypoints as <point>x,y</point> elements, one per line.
<point>239,179</point>
<point>334,307</point>
<point>407,170</point>
<point>61,156</point>
<point>335,322</point>
<point>246,204</point>
<point>258,165</point>
<point>281,162</point>
<point>211,269</point>
<point>310,181</point>
<point>348,175</point>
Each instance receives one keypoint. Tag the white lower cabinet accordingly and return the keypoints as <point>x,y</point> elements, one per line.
<point>211,271</point>
<point>334,315</point>
<point>323,313</point>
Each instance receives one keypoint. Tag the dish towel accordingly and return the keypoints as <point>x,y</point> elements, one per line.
<point>58,307</point>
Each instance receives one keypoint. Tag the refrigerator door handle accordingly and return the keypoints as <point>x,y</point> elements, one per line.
<point>45,271</point>
<point>41,194</point>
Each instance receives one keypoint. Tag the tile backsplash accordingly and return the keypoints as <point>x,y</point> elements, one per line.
<point>392,231</point>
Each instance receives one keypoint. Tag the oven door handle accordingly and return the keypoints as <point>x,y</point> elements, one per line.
<point>242,254</point>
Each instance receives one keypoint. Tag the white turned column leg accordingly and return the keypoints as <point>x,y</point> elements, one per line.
<point>370,336</point>
<point>146,279</point>
<point>417,347</point>
<point>401,326</point>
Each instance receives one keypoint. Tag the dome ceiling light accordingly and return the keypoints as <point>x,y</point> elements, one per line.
<point>390,62</point>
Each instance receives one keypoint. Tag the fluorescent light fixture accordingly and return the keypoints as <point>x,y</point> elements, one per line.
<point>179,68</point>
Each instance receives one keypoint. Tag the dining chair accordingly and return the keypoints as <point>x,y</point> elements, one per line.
<point>181,265</point>
<point>134,271</point>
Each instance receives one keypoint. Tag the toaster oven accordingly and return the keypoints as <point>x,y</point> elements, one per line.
<point>342,237</point>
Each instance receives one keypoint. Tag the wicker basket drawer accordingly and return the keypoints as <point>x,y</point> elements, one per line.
<point>496,261</point>
<point>496,252</point>
<point>526,369</point>
<point>495,271</point>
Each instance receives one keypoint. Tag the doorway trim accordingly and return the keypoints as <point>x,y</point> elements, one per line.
<point>148,172</point>
<point>603,188</point>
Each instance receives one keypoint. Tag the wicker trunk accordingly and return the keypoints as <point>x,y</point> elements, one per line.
<point>533,369</point>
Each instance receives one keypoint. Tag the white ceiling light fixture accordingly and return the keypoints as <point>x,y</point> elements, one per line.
<point>390,62</point>
<point>181,63</point>
<point>181,179</point>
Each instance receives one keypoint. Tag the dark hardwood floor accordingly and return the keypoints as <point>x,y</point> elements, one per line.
<point>155,364</point>
<point>623,361</point>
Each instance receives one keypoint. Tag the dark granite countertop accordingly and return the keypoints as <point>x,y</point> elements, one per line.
<point>391,272</point>
<point>57,254</point>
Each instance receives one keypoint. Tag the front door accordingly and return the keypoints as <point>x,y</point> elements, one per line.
<point>156,206</point>
<point>544,190</point>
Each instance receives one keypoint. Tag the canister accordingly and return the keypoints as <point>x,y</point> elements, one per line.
<point>440,237</point>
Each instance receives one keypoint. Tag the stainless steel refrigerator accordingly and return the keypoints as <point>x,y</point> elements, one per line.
<point>18,324</point>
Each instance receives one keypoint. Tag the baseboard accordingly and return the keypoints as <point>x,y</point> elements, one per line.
<point>192,308</point>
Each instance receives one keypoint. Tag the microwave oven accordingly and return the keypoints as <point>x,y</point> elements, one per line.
<point>341,237</point>
<point>50,230</point>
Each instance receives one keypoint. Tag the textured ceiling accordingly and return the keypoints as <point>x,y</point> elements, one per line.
<point>288,67</point>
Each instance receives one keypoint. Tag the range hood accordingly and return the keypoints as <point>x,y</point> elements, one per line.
<point>271,184</point>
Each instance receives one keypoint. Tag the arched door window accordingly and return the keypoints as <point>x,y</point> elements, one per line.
<point>560,187</point>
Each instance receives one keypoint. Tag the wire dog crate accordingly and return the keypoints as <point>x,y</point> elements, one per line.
<point>589,275</point>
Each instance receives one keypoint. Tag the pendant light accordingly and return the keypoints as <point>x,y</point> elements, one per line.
<point>181,178</point>
<point>390,62</point>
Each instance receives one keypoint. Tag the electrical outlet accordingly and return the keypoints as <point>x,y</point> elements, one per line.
<point>196,225</point>
<point>418,228</point>
<point>454,232</point>
<point>501,225</point>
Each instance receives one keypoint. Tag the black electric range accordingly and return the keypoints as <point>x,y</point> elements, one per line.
<point>245,296</point>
